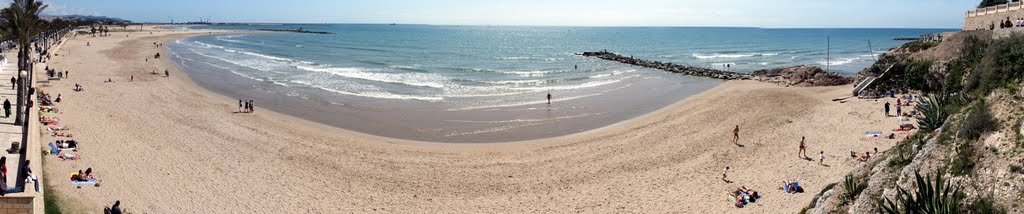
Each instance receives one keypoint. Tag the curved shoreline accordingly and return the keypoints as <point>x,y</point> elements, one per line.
<point>404,121</point>
<point>167,145</point>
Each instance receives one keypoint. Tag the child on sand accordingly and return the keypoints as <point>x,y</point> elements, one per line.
<point>821,158</point>
<point>724,172</point>
<point>803,148</point>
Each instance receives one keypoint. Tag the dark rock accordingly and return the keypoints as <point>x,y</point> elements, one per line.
<point>801,75</point>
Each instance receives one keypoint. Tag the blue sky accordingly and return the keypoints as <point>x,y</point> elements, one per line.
<point>739,13</point>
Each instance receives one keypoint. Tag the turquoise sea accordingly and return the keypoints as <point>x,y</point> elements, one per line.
<point>488,83</point>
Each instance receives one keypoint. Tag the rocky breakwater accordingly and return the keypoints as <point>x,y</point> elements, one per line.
<point>670,67</point>
<point>801,75</point>
<point>790,76</point>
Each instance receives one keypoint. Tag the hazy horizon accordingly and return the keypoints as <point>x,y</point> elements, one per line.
<point>942,14</point>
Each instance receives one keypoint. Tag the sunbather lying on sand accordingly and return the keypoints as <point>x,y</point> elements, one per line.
<point>792,187</point>
<point>89,175</point>
<point>865,157</point>
<point>65,155</point>
<point>80,177</point>
<point>750,193</point>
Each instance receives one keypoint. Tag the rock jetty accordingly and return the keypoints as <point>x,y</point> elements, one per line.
<point>670,67</point>
<point>801,75</point>
<point>300,30</point>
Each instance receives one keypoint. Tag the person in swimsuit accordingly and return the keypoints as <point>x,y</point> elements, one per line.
<point>803,148</point>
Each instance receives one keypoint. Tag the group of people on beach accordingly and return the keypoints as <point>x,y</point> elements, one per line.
<point>744,196</point>
<point>246,107</point>
<point>26,172</point>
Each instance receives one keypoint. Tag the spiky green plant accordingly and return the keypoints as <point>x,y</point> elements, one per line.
<point>852,188</point>
<point>937,197</point>
<point>933,113</point>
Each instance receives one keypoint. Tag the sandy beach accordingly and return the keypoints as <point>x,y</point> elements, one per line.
<point>166,145</point>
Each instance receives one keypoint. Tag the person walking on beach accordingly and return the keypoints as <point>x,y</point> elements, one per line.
<point>803,148</point>
<point>167,73</point>
<point>736,134</point>
<point>239,105</point>
<point>887,108</point>
<point>549,97</point>
<point>66,74</point>
<point>246,109</point>
<point>821,158</point>
<point>725,174</point>
<point>899,110</point>
<point>252,106</point>
<point>13,82</point>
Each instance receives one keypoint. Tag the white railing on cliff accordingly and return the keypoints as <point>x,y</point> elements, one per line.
<point>995,9</point>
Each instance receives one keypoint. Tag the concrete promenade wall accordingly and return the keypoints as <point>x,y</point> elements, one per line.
<point>982,18</point>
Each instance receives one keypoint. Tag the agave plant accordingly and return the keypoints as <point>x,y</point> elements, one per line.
<point>933,113</point>
<point>852,188</point>
<point>939,197</point>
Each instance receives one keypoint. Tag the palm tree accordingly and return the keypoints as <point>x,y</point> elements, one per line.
<point>20,22</point>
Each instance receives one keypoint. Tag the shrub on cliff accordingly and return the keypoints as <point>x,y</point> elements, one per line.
<point>938,197</point>
<point>1002,64</point>
<point>987,3</point>
<point>978,121</point>
<point>933,112</point>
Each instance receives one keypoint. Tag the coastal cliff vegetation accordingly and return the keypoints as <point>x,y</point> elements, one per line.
<point>967,155</point>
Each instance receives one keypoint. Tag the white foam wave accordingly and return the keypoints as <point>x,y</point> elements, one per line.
<point>370,94</point>
<point>840,61</point>
<point>413,79</point>
<point>513,58</point>
<point>731,55</point>
<point>529,120</point>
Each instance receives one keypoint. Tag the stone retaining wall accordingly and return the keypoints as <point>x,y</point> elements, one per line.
<point>983,18</point>
<point>16,205</point>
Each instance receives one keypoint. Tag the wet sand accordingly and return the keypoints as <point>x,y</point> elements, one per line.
<point>166,145</point>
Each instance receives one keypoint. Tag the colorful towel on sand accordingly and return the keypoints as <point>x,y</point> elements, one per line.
<point>873,134</point>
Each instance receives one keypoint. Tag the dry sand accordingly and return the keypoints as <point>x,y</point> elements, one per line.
<point>165,145</point>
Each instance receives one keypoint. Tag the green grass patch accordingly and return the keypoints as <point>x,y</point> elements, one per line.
<point>51,202</point>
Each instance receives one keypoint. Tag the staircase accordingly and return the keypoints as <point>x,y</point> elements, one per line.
<point>868,81</point>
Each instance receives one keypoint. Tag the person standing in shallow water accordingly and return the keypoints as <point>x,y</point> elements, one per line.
<point>549,97</point>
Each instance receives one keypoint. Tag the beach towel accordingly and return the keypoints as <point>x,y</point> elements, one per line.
<point>90,182</point>
<point>53,149</point>
<point>873,133</point>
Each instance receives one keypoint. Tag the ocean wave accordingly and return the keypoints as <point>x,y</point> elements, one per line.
<point>513,58</point>
<point>529,120</point>
<point>370,94</point>
<point>840,61</point>
<point>229,50</point>
<point>590,84</point>
<point>539,101</point>
<point>731,55</point>
<point>413,79</point>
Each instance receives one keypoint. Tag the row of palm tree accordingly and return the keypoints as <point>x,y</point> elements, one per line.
<point>21,22</point>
